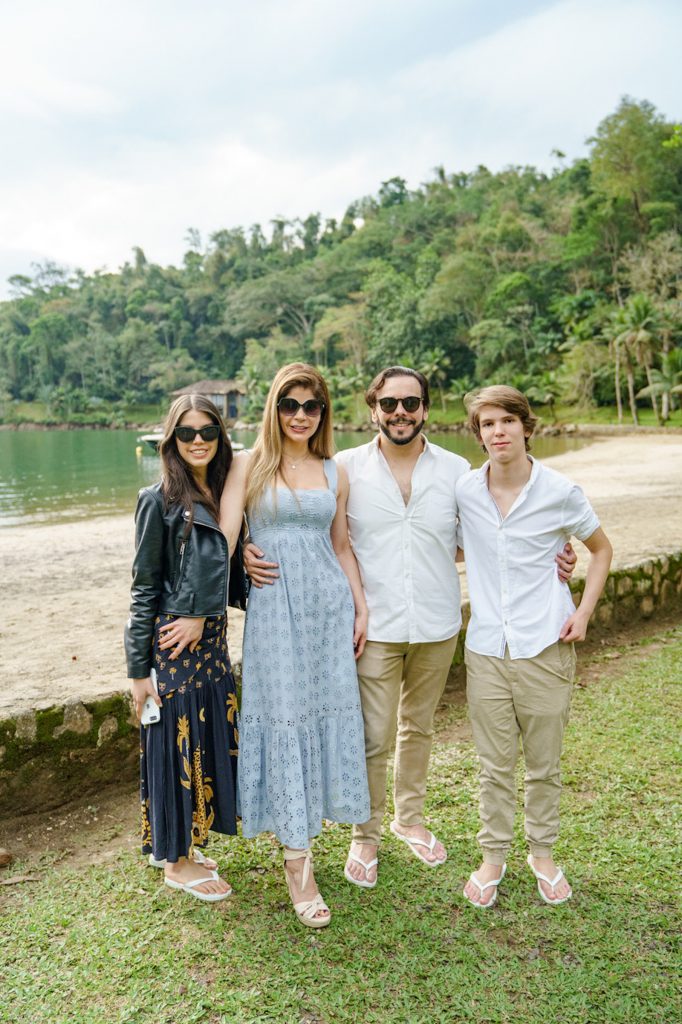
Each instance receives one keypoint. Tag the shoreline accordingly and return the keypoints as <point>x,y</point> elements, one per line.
<point>460,427</point>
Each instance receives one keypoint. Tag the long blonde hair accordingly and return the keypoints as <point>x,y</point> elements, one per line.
<point>266,454</point>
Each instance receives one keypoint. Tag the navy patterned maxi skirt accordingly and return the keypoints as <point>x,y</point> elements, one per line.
<point>188,760</point>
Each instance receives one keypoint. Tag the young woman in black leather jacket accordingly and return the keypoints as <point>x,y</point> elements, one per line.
<point>176,649</point>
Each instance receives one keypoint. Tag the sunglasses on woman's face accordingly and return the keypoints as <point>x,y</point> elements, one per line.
<point>409,404</point>
<point>289,407</point>
<point>211,432</point>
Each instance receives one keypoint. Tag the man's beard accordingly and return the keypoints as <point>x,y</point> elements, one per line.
<point>400,441</point>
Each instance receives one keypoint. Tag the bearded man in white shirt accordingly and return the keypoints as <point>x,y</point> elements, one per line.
<point>402,523</point>
<point>516,515</point>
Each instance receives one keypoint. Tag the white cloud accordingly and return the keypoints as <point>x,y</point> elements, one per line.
<point>124,126</point>
<point>548,79</point>
<point>151,199</point>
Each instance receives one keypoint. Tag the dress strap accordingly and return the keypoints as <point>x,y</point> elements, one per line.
<point>331,473</point>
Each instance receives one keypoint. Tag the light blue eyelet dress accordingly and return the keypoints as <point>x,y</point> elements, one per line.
<point>301,743</point>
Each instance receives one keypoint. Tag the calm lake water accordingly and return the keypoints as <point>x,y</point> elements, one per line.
<point>49,476</point>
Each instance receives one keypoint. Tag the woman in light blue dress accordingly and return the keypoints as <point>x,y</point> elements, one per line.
<point>301,745</point>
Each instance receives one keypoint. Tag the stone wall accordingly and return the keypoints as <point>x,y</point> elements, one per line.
<point>638,592</point>
<point>50,756</point>
<point>56,754</point>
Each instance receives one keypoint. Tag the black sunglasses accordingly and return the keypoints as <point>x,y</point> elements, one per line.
<point>312,407</point>
<point>409,404</point>
<point>211,432</point>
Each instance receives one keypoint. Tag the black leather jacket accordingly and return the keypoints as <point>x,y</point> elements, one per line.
<point>172,575</point>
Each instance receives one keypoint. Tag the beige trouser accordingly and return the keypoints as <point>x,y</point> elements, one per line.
<point>400,686</point>
<point>528,698</point>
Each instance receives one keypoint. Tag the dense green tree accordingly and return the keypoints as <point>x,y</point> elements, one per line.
<point>569,281</point>
<point>628,158</point>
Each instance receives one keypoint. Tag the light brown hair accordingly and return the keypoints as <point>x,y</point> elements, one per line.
<point>266,454</point>
<point>504,397</point>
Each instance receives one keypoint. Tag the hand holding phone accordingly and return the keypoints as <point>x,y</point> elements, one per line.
<point>151,712</point>
<point>146,703</point>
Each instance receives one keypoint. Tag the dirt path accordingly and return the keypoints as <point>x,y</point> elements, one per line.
<point>64,588</point>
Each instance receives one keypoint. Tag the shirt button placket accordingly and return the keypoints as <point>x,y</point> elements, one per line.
<point>407,575</point>
<point>504,583</point>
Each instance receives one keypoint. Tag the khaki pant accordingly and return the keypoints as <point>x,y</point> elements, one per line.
<point>527,698</point>
<point>400,686</point>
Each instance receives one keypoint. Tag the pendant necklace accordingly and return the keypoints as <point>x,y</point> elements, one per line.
<point>299,462</point>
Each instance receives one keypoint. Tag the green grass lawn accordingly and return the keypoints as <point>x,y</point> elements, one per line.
<point>111,944</point>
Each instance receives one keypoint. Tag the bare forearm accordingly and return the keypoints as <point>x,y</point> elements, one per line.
<point>595,578</point>
<point>350,567</point>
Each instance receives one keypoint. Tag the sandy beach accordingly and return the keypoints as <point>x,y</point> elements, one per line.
<point>65,588</point>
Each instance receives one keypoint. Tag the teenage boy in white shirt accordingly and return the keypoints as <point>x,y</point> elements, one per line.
<point>516,515</point>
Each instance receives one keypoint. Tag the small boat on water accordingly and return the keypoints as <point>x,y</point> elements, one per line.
<point>153,440</point>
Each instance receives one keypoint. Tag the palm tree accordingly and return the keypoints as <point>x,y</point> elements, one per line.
<point>350,380</point>
<point>646,322</point>
<point>635,333</point>
<point>544,389</point>
<point>666,383</point>
<point>612,332</point>
<point>670,323</point>
<point>434,365</point>
<point>459,387</point>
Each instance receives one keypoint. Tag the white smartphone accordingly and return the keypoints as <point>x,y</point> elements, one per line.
<point>151,712</point>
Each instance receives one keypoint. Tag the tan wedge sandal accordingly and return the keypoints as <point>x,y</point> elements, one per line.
<point>306,910</point>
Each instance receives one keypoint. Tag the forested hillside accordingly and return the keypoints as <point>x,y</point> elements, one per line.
<point>568,285</point>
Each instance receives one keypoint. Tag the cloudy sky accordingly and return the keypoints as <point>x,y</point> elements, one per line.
<point>125,124</point>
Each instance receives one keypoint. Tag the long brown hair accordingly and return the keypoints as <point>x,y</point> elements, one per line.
<point>178,485</point>
<point>267,451</point>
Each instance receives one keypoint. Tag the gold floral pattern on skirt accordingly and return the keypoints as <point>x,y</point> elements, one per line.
<point>188,765</point>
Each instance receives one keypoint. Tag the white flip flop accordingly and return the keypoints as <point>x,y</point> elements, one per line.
<point>550,881</point>
<point>367,865</point>
<point>190,888</point>
<point>414,845</point>
<point>482,888</point>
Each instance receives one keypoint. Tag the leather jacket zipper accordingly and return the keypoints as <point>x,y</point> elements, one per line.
<point>178,578</point>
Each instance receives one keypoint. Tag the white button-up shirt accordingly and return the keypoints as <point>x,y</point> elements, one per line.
<point>406,553</point>
<point>517,599</point>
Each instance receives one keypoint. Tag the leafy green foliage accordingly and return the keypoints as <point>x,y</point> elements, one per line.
<point>518,276</point>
